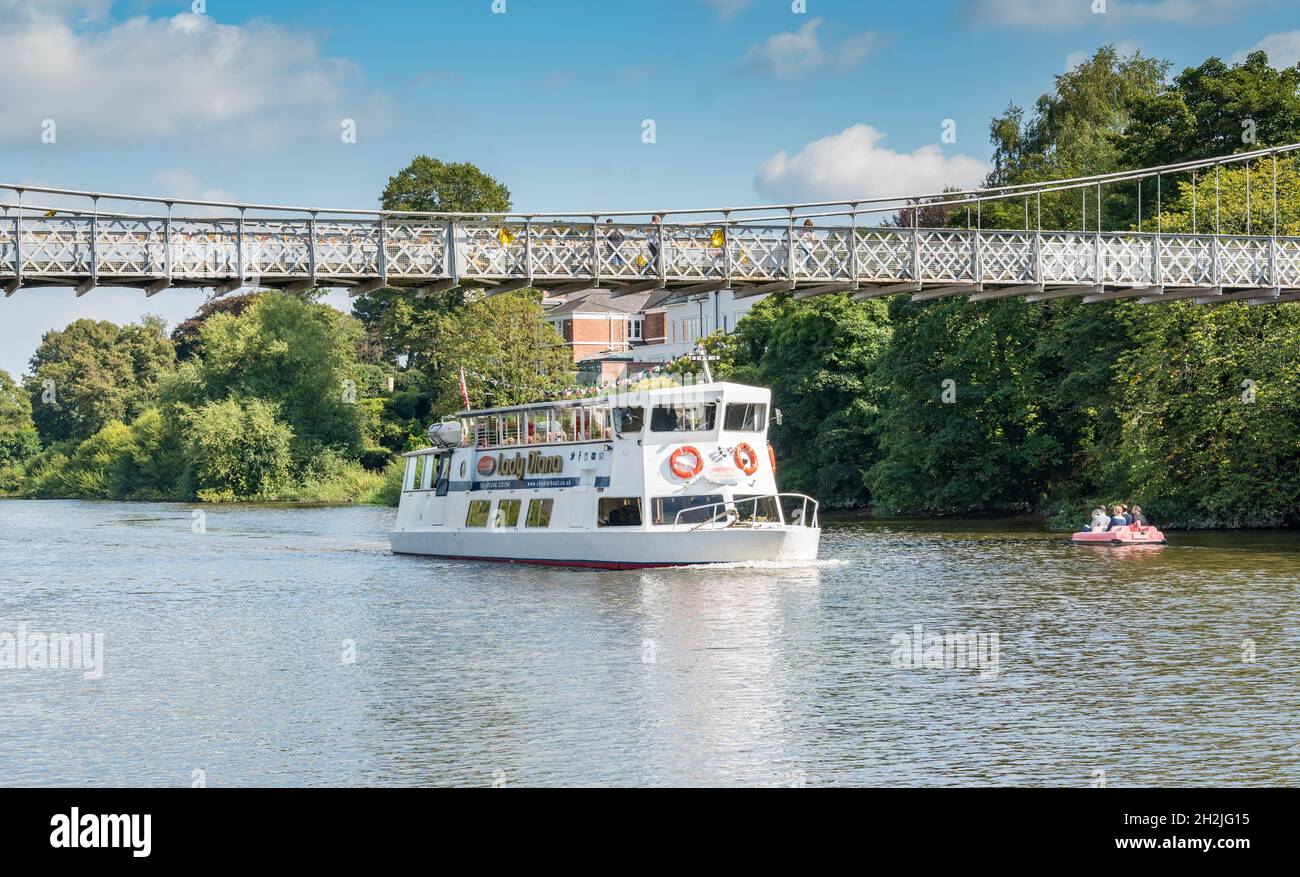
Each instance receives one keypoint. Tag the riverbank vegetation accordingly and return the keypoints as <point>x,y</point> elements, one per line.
<point>1191,411</point>
<point>931,408</point>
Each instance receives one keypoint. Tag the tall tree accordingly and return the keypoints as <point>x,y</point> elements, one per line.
<point>427,184</point>
<point>1214,109</point>
<point>94,372</point>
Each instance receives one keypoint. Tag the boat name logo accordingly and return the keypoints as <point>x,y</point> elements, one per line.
<point>517,465</point>
<point>486,465</point>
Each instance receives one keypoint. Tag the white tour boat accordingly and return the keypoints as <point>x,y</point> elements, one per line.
<point>655,477</point>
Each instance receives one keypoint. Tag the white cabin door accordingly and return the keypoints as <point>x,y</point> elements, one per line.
<point>581,512</point>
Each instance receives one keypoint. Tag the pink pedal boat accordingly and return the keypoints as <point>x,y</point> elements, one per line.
<point>1131,535</point>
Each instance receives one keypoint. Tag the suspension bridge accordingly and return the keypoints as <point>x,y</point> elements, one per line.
<point>810,249</point>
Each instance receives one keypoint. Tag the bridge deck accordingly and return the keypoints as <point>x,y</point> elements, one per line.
<point>84,251</point>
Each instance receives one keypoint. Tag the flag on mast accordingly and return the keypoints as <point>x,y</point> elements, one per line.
<point>464,393</point>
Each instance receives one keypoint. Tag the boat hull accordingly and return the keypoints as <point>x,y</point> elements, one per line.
<point>632,549</point>
<point>1121,536</point>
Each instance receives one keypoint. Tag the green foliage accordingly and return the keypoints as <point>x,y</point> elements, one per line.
<point>1201,113</point>
<point>238,450</point>
<point>97,372</point>
<point>817,357</point>
<point>293,353</point>
<point>18,439</point>
<point>509,352</point>
<point>1210,402</point>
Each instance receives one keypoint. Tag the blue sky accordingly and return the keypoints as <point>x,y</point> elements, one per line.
<point>752,101</point>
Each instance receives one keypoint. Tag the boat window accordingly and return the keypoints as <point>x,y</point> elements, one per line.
<point>409,483</point>
<point>686,417</point>
<point>430,464</point>
<point>510,429</point>
<point>745,417</point>
<point>478,513</point>
<point>619,512</point>
<point>666,508</point>
<point>629,420</point>
<point>758,509</point>
<point>539,512</point>
<point>507,513</point>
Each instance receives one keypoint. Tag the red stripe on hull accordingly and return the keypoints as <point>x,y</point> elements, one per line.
<point>585,564</point>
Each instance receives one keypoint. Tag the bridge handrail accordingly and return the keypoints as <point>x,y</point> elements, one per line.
<point>980,194</point>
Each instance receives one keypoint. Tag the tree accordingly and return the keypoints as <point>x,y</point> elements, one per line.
<point>510,354</point>
<point>186,335</point>
<point>239,449</point>
<point>1207,109</point>
<point>18,439</point>
<point>426,184</point>
<point>94,372</point>
<point>293,353</point>
<point>817,356</point>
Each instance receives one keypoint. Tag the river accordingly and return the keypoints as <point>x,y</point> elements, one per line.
<point>250,645</point>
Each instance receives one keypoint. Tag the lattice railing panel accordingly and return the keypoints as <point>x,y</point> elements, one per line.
<point>1007,256</point>
<point>415,249</point>
<point>1243,261</point>
<point>884,255</point>
<point>347,249</point>
<point>1126,260</point>
<point>277,249</point>
<point>562,251</point>
<point>946,255</point>
<point>54,246</point>
<point>695,253</point>
<point>628,252</point>
<point>758,253</point>
<point>131,247</point>
<point>822,254</point>
<point>1186,260</point>
<point>1069,258</point>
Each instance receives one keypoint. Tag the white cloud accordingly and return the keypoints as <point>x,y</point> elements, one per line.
<point>726,9</point>
<point>794,53</point>
<point>187,76</point>
<point>1283,49</point>
<point>854,164</point>
<point>1058,15</point>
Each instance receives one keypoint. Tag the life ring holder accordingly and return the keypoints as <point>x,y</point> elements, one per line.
<point>746,458</point>
<point>680,469</point>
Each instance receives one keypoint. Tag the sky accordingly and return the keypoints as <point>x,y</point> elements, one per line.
<point>752,101</point>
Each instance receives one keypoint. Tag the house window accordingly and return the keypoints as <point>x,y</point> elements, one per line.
<point>477,516</point>
<point>539,512</point>
<point>634,329</point>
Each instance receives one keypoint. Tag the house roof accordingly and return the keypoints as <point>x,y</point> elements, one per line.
<point>601,301</point>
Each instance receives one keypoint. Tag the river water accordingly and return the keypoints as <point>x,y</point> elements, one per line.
<point>286,646</point>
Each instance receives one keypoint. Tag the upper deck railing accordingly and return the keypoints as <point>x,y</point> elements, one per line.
<point>810,248</point>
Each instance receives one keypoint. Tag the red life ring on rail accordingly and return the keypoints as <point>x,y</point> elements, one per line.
<point>680,468</point>
<point>746,458</point>
<point>771,456</point>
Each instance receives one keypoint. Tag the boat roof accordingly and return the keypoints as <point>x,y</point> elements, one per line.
<point>741,392</point>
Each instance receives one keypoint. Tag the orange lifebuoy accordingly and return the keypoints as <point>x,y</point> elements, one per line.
<point>680,469</point>
<point>746,458</point>
<point>771,456</point>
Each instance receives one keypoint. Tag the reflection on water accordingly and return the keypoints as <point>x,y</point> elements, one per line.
<point>1146,665</point>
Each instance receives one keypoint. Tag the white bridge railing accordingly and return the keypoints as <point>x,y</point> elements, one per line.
<point>801,251</point>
